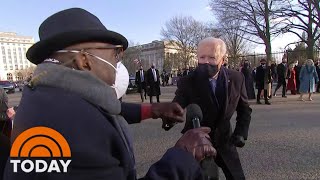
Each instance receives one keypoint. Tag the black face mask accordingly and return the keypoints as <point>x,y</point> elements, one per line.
<point>207,70</point>
<point>152,67</point>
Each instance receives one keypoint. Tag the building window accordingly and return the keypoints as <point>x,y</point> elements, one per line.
<point>16,67</point>
<point>4,59</point>
<point>15,60</point>
<point>21,67</point>
<point>11,67</point>
<point>26,66</point>
<point>9,77</point>
<point>19,76</point>
<point>5,67</point>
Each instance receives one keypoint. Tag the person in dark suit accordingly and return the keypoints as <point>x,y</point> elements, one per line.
<point>283,73</point>
<point>219,92</point>
<point>141,83</point>
<point>297,69</point>
<point>85,54</point>
<point>263,78</point>
<point>247,72</point>
<point>153,83</point>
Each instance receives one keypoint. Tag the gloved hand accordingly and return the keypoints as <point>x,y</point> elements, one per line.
<point>238,141</point>
<point>197,141</point>
<point>170,113</point>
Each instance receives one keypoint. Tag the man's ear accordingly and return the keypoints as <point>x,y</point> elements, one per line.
<point>82,62</point>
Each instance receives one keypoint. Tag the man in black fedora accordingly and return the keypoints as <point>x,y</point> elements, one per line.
<point>74,91</point>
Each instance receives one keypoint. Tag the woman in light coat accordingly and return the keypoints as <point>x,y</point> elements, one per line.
<point>308,79</point>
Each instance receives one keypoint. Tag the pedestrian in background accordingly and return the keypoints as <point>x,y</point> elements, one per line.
<point>292,85</point>
<point>247,72</point>
<point>318,72</point>
<point>153,83</point>
<point>140,81</point>
<point>308,79</point>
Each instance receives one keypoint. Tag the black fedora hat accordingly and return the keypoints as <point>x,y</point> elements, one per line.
<point>69,27</point>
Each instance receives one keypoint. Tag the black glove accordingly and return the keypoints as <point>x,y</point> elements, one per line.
<point>238,141</point>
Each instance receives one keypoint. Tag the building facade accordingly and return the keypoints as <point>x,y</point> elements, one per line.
<point>13,61</point>
<point>161,54</point>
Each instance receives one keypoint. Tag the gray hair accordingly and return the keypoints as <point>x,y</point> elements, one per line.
<point>223,49</point>
<point>309,60</point>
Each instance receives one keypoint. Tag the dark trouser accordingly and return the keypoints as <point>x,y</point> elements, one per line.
<point>318,87</point>
<point>226,171</point>
<point>265,95</point>
<point>143,91</point>
<point>284,87</point>
<point>152,101</point>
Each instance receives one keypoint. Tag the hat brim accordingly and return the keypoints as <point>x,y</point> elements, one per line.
<point>44,48</point>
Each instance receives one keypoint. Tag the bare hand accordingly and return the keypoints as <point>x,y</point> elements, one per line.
<point>197,141</point>
<point>170,113</point>
<point>11,112</point>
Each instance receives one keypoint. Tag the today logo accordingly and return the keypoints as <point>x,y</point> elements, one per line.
<point>40,149</point>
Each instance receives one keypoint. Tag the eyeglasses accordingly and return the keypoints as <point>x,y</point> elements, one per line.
<point>118,49</point>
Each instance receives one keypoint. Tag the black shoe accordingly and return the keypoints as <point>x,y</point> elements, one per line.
<point>284,96</point>
<point>267,103</point>
<point>258,102</point>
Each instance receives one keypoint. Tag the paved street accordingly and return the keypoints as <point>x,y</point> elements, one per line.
<point>284,138</point>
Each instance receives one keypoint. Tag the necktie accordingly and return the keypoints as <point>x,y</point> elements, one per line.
<point>154,75</point>
<point>141,76</point>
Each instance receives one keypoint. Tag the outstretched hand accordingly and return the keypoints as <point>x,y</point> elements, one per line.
<point>170,113</point>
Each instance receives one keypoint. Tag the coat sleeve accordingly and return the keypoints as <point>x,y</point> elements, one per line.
<point>131,112</point>
<point>243,113</point>
<point>301,73</point>
<point>175,164</point>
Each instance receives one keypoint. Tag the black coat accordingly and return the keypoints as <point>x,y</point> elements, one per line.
<point>141,85</point>
<point>153,86</point>
<point>247,72</point>
<point>192,89</point>
<point>97,147</point>
<point>263,77</point>
<point>282,72</point>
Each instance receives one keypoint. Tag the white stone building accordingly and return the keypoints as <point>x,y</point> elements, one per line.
<point>13,55</point>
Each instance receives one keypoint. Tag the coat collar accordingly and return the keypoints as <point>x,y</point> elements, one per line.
<point>82,83</point>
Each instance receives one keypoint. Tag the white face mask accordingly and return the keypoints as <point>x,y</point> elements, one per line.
<point>121,78</point>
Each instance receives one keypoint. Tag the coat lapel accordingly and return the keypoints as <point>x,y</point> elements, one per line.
<point>227,82</point>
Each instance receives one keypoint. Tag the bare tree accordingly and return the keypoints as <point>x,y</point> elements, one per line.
<point>237,45</point>
<point>254,17</point>
<point>24,74</point>
<point>302,15</point>
<point>185,33</point>
<point>132,53</point>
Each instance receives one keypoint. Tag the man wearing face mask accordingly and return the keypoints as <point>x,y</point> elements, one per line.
<point>141,83</point>
<point>153,83</point>
<point>263,78</point>
<point>283,74</point>
<point>219,92</point>
<point>75,91</point>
